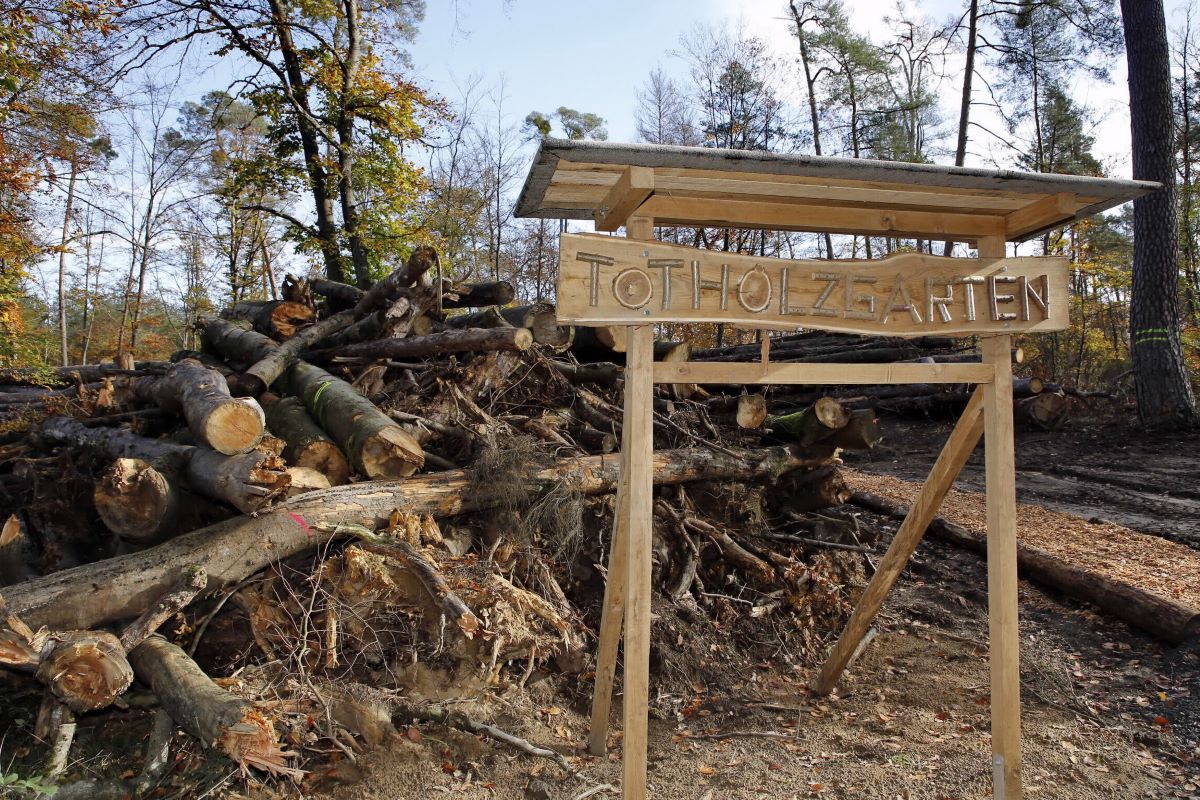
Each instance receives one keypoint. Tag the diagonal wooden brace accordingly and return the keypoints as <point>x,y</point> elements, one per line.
<point>949,463</point>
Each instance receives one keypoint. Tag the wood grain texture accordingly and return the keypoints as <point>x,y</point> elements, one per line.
<point>607,280</point>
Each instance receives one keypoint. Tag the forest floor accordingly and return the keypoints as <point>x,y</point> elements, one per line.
<point>1107,711</point>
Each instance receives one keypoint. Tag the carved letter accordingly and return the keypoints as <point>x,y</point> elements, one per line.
<point>995,299</point>
<point>937,302</point>
<point>595,261</point>
<point>1027,292</point>
<point>721,285</point>
<point>754,298</point>
<point>786,308</point>
<point>899,300</point>
<point>851,298</point>
<point>632,288</point>
<point>832,280</point>
<point>666,265</point>
<point>969,283</point>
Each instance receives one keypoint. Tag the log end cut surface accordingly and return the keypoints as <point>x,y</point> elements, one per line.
<point>87,670</point>
<point>233,428</point>
<point>134,500</point>
<point>391,453</point>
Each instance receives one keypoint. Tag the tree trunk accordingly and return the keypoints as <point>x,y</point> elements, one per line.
<point>84,669</point>
<point>477,295</point>
<point>467,340</point>
<point>1164,392</point>
<point>213,715</point>
<point>345,295</point>
<point>201,395</point>
<point>121,588</point>
<point>1157,615</point>
<point>62,263</point>
<point>279,319</point>
<point>385,292</point>
<point>375,445</point>
<point>307,445</point>
<point>813,424</point>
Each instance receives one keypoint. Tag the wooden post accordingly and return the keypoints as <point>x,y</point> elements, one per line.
<point>1002,558</point>
<point>949,463</point>
<point>612,616</point>
<point>639,422</point>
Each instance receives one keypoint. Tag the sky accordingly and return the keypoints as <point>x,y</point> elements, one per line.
<point>594,56</point>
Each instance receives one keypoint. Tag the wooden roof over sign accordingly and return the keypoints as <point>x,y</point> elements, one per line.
<point>693,186</point>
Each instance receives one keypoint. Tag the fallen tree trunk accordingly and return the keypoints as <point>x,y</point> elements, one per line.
<point>821,419</point>
<point>84,669</point>
<point>467,340</point>
<point>202,397</point>
<point>343,293</point>
<point>375,445</point>
<point>120,588</point>
<point>1152,613</point>
<point>477,295</point>
<point>213,715</point>
<point>307,445</point>
<point>384,292</point>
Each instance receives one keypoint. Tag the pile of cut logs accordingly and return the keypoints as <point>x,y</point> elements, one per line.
<point>1038,403</point>
<point>367,479</point>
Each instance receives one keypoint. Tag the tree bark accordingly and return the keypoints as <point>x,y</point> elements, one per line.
<point>811,425</point>
<point>1164,391</point>
<point>386,291</point>
<point>467,340</point>
<point>213,715</point>
<point>121,588</point>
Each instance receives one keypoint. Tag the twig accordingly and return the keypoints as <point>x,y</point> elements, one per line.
<point>595,790</point>
<point>456,719</point>
<point>742,734</point>
<point>787,537</point>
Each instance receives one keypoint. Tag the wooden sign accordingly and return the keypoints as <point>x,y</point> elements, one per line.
<point>604,280</point>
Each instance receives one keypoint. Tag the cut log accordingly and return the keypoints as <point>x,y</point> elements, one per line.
<point>121,588</point>
<point>484,318</point>
<point>676,352</point>
<point>275,318</point>
<point>272,362</point>
<point>542,321</point>
<point>84,669</point>
<point>202,397</point>
<point>1047,410</point>
<point>136,501</point>
<point>375,445</point>
<point>247,481</point>
<point>307,444</point>
<point>1164,618</point>
<point>1028,387</point>
<point>862,431</point>
<point>813,424</point>
<point>477,295</point>
<point>751,411</point>
<point>213,715</point>
<point>604,343</point>
<point>15,552</point>
<point>467,340</point>
<point>602,373</point>
<point>305,479</point>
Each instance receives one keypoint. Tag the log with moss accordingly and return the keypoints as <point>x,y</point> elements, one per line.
<point>307,445</point>
<point>813,424</point>
<point>375,445</point>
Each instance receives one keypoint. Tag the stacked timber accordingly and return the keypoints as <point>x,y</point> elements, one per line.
<point>362,479</point>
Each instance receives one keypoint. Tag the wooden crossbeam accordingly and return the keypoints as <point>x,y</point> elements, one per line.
<point>623,199</point>
<point>669,210</point>
<point>949,464</point>
<point>1039,215</point>
<point>817,374</point>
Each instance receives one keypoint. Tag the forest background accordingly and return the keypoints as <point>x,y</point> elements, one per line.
<point>160,159</point>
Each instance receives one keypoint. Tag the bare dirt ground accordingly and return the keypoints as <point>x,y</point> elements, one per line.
<point>1108,711</point>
